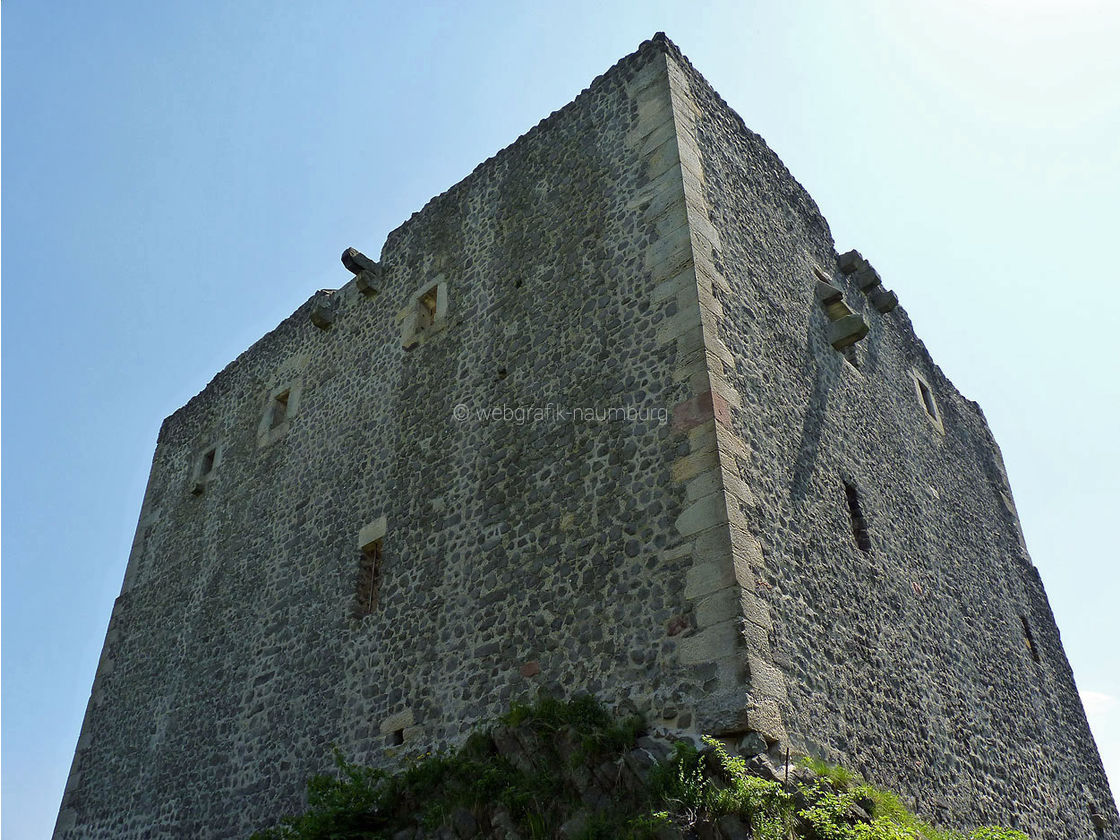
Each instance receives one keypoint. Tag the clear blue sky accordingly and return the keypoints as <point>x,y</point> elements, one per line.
<point>178,177</point>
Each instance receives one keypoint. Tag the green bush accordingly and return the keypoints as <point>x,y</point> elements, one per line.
<point>891,819</point>
<point>568,741</point>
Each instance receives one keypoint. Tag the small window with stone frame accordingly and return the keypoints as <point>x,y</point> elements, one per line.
<point>279,409</point>
<point>207,465</point>
<point>426,313</point>
<point>924,393</point>
<point>927,400</point>
<point>204,469</point>
<point>427,306</point>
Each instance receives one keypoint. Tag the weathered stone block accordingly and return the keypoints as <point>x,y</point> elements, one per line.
<point>718,607</point>
<point>765,679</point>
<point>702,408</point>
<point>866,278</point>
<point>368,282</point>
<point>710,643</point>
<point>850,262</point>
<point>827,293</point>
<point>372,532</point>
<point>356,262</point>
<point>399,721</point>
<point>847,331</point>
<point>883,300</point>
<point>707,578</point>
<point>691,465</point>
<point>703,514</point>
<point>323,316</point>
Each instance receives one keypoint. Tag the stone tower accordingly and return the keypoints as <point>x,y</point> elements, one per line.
<point>610,414</point>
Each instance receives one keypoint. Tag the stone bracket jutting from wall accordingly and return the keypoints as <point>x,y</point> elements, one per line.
<point>367,273</point>
<point>730,628</point>
<point>325,309</point>
<point>868,280</point>
<point>845,327</point>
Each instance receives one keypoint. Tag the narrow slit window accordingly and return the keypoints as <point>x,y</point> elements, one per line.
<point>428,304</point>
<point>859,523</point>
<point>279,409</point>
<point>927,399</point>
<point>204,470</point>
<point>369,580</point>
<point>426,313</point>
<point>207,466</point>
<point>1028,638</point>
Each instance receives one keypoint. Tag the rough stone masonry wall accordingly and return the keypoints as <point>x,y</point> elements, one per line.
<point>639,249</point>
<point>910,662</point>
<point>552,552</point>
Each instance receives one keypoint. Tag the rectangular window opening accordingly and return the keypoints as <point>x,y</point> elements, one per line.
<point>927,399</point>
<point>279,409</point>
<point>208,462</point>
<point>369,580</point>
<point>428,304</point>
<point>396,737</point>
<point>859,523</point>
<point>1028,638</point>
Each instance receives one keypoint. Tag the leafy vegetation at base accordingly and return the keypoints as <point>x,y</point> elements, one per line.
<point>827,809</point>
<point>567,769</point>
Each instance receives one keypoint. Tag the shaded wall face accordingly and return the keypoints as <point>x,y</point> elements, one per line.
<point>909,661</point>
<point>517,551</point>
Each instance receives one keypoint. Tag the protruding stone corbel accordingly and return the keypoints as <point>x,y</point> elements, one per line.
<point>356,262</point>
<point>868,280</point>
<point>827,294</point>
<point>322,313</point>
<point>845,327</point>
<point>882,299</point>
<point>367,273</point>
<point>846,331</point>
<point>851,261</point>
